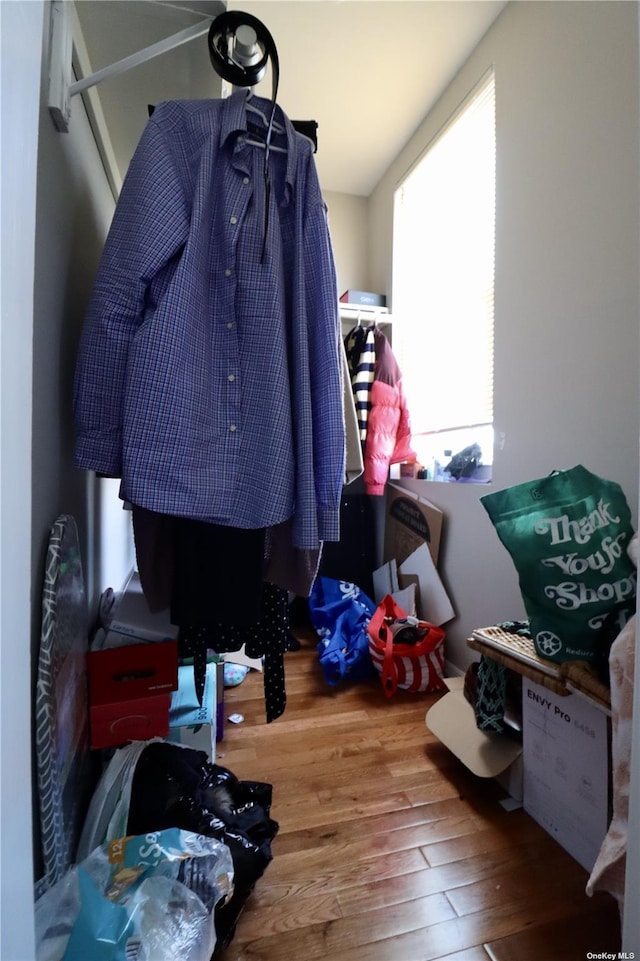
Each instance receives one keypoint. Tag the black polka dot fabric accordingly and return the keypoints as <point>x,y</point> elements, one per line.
<point>267,638</point>
<point>211,577</point>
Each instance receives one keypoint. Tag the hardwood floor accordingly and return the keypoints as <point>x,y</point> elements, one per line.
<point>388,848</point>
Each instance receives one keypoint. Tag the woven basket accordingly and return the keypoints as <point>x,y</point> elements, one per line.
<point>519,654</point>
<point>580,678</point>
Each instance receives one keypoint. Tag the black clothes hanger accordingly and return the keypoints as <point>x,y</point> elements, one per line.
<point>233,53</point>
<point>240,47</point>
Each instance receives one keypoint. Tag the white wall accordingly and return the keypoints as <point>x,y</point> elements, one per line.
<point>566,320</point>
<point>75,207</point>
<point>73,211</point>
<point>21,32</point>
<point>348,226</point>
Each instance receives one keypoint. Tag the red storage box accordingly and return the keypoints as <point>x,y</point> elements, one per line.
<point>363,298</point>
<point>116,724</point>
<point>130,692</point>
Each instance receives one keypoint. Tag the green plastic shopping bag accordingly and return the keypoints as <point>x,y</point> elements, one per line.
<point>567,535</point>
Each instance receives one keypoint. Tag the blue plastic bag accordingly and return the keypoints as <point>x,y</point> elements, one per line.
<point>340,612</point>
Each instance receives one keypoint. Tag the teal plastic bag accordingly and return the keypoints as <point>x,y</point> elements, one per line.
<point>568,536</point>
<point>149,897</point>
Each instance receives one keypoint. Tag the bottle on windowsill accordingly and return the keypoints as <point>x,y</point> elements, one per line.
<point>437,470</point>
<point>444,473</point>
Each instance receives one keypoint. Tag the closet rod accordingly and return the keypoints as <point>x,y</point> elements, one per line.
<point>61,84</point>
<point>148,53</point>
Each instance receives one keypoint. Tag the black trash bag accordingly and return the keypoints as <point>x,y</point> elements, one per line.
<point>465,462</point>
<point>179,787</point>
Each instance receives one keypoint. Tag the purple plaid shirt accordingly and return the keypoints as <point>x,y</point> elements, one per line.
<point>209,379</point>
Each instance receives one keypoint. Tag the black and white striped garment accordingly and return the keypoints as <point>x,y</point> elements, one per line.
<point>361,358</point>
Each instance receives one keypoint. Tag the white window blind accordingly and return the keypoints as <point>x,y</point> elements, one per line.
<point>443,273</point>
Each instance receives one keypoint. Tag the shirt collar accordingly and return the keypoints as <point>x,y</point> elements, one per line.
<point>234,120</point>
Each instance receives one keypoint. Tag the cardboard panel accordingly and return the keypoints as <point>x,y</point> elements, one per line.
<point>410,522</point>
<point>453,721</point>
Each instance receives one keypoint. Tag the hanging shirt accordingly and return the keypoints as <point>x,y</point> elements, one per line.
<point>354,465</point>
<point>361,358</point>
<point>209,374</point>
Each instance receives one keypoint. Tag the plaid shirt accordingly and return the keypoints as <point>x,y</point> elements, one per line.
<point>209,378</point>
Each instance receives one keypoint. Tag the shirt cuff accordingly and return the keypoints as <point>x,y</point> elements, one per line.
<point>100,454</point>
<point>329,524</point>
<point>376,490</point>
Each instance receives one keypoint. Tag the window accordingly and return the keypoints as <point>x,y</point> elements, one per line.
<point>443,283</point>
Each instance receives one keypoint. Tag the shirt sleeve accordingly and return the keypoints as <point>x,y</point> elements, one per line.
<point>149,228</point>
<point>388,435</point>
<point>326,378</point>
<point>316,378</point>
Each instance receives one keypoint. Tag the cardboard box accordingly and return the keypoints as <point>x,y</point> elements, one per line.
<point>409,470</point>
<point>113,725</point>
<point>219,660</point>
<point>363,298</point>
<point>220,702</point>
<point>130,692</point>
<point>410,521</point>
<point>132,616</point>
<point>190,724</point>
<point>566,769</point>
<point>512,780</point>
<point>132,672</point>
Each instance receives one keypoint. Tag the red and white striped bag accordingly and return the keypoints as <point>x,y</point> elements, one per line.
<point>407,653</point>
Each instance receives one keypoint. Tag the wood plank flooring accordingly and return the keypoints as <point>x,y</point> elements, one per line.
<point>388,848</point>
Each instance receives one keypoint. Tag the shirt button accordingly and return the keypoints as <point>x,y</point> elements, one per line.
<point>229,324</point>
<point>231,378</point>
<point>232,428</point>
<point>233,220</point>
<point>245,180</point>
<point>227,272</point>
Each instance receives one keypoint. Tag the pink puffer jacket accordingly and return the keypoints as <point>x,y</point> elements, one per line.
<point>389,425</point>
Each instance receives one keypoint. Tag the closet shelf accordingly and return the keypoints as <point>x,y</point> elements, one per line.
<point>357,313</point>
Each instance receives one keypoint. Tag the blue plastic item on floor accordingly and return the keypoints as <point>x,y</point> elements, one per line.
<point>234,674</point>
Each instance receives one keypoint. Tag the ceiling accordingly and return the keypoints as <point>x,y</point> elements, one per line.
<point>368,71</point>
